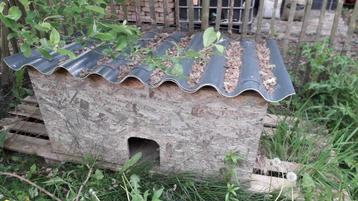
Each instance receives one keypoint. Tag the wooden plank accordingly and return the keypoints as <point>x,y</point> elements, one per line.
<point>190,15</point>
<point>42,148</point>
<point>336,18</point>
<point>259,18</point>
<point>5,72</point>
<point>28,111</point>
<point>273,18</point>
<point>205,14</point>
<point>321,18</point>
<point>30,100</point>
<point>29,127</point>
<point>152,13</point>
<point>177,16</point>
<point>267,184</point>
<point>351,28</point>
<point>291,16</point>
<point>125,10</point>
<point>267,165</point>
<point>245,24</point>
<point>231,16</point>
<point>218,15</point>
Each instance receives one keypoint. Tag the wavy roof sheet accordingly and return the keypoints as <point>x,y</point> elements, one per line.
<point>213,75</point>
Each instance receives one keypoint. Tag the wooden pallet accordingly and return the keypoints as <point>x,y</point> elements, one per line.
<point>26,133</point>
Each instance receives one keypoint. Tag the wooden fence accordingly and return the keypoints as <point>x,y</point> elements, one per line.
<point>166,13</point>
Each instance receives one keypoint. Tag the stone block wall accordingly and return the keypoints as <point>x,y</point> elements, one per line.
<point>194,131</point>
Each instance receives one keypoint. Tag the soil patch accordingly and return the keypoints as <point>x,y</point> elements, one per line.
<point>200,65</point>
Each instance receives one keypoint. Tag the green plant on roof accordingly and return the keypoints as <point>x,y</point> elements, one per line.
<point>49,25</point>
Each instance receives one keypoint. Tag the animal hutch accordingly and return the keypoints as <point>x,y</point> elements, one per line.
<point>181,123</point>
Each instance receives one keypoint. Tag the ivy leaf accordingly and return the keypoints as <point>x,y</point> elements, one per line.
<point>209,36</point>
<point>66,52</point>
<point>220,48</point>
<point>105,36</point>
<point>98,175</point>
<point>45,53</point>
<point>44,26</point>
<point>25,3</point>
<point>26,50</point>
<point>14,13</point>
<point>96,9</point>
<point>2,7</point>
<point>55,37</point>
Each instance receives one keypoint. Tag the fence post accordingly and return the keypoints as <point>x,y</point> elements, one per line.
<point>321,18</point>
<point>138,12</point>
<point>205,14</point>
<point>259,18</point>
<point>153,19</point>
<point>165,13</point>
<point>218,15</point>
<point>231,15</point>
<point>191,15</point>
<point>337,15</point>
<point>273,17</point>
<point>351,27</point>
<point>289,25</point>
<point>177,16</point>
<point>246,18</point>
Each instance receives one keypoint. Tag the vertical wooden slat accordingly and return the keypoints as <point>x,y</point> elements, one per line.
<point>289,25</point>
<point>205,14</point>
<point>191,15</point>
<point>125,10</point>
<point>321,18</point>
<point>246,18</point>
<point>6,77</point>
<point>259,18</point>
<point>137,12</point>
<point>231,15</point>
<point>273,18</point>
<point>113,9</point>
<point>303,31</point>
<point>153,19</point>
<point>218,15</point>
<point>177,15</point>
<point>351,28</point>
<point>337,15</point>
<point>165,12</point>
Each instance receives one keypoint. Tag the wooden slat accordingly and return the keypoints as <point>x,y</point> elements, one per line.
<point>321,18</point>
<point>42,148</point>
<point>152,13</point>
<point>125,10</point>
<point>137,12</point>
<point>30,100</point>
<point>245,24</point>
<point>273,18</point>
<point>351,28</point>
<point>259,18</point>
<point>337,16</point>
<point>265,165</point>
<point>29,127</point>
<point>190,15</point>
<point>289,25</point>
<point>28,111</point>
<point>231,16</point>
<point>218,15</point>
<point>306,18</point>
<point>205,14</point>
<point>267,184</point>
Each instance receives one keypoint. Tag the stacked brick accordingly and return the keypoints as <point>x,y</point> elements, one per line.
<point>145,14</point>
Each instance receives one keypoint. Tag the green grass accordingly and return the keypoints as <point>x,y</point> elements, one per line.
<point>64,180</point>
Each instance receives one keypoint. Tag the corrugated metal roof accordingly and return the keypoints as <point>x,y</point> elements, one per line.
<point>249,77</point>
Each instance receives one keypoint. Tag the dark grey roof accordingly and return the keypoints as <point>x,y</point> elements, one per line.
<point>213,76</point>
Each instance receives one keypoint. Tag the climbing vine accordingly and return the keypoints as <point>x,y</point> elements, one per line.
<point>49,25</point>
